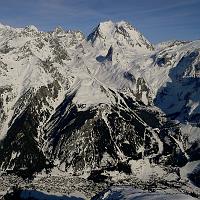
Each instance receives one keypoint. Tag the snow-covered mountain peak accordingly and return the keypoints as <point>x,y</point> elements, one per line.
<point>107,25</point>
<point>110,27</point>
<point>70,37</point>
<point>123,23</point>
<point>58,30</point>
<point>2,25</point>
<point>5,27</point>
<point>121,35</point>
<point>31,28</point>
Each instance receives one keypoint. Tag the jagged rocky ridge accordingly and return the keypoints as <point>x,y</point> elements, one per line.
<point>97,104</point>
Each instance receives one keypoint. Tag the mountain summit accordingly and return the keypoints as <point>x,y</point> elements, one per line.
<point>120,35</point>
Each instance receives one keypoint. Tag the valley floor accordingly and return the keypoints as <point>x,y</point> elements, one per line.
<point>74,187</point>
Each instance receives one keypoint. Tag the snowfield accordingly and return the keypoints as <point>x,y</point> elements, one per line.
<point>117,193</point>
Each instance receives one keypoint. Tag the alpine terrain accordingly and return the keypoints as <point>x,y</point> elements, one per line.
<point>83,113</point>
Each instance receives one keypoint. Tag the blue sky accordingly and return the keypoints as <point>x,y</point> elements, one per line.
<point>158,20</point>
